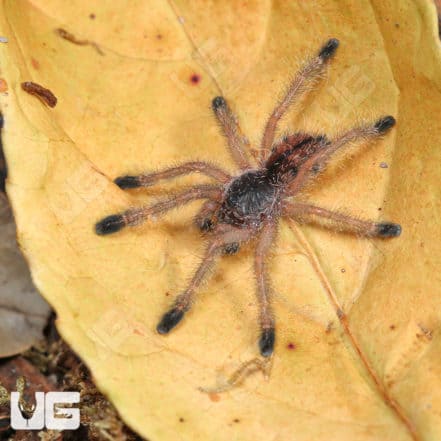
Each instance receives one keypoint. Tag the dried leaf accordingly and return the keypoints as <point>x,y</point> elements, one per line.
<point>23,312</point>
<point>358,350</point>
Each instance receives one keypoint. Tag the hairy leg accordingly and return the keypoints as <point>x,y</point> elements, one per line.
<point>136,216</point>
<point>237,142</point>
<point>222,236</point>
<point>308,213</point>
<point>303,80</point>
<point>267,337</point>
<point>148,179</point>
<point>316,162</point>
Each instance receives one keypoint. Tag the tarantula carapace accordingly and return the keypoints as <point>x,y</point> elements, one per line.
<point>250,204</point>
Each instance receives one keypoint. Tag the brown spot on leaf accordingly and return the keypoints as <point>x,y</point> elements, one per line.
<point>214,397</point>
<point>35,63</point>
<point>3,85</point>
<point>195,78</point>
<point>291,346</point>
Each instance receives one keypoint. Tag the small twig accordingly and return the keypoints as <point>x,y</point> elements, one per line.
<point>45,95</point>
<point>241,373</point>
<point>70,37</point>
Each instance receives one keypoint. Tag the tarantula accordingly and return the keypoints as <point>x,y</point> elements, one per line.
<point>250,204</point>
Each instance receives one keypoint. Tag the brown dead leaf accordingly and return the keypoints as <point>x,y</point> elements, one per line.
<point>23,312</point>
<point>358,348</point>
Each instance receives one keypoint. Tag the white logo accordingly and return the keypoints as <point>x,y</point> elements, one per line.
<point>46,412</point>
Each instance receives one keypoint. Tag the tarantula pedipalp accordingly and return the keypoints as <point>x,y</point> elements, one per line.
<point>249,205</point>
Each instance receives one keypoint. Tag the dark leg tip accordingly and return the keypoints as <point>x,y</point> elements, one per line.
<point>127,182</point>
<point>218,102</point>
<point>328,50</point>
<point>388,230</point>
<point>384,124</point>
<point>266,342</point>
<point>169,320</point>
<point>231,248</point>
<point>110,224</point>
<point>206,225</point>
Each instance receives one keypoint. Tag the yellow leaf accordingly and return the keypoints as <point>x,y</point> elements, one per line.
<point>358,349</point>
